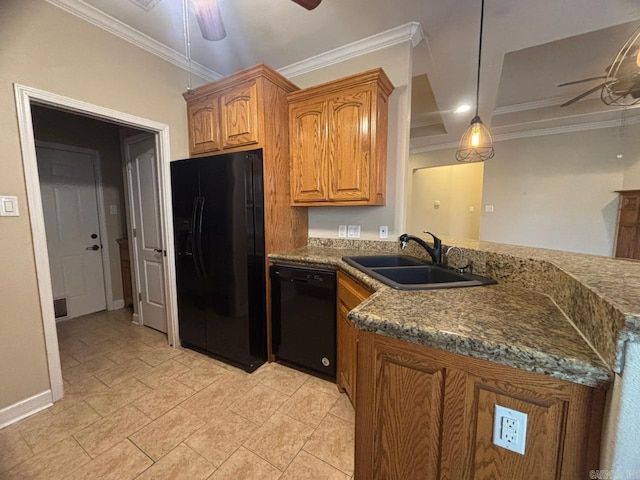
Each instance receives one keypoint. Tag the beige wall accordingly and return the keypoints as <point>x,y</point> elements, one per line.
<point>396,62</point>
<point>43,47</point>
<point>553,191</point>
<point>458,189</point>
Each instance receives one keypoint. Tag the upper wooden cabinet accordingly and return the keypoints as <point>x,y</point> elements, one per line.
<point>233,114</point>
<point>338,141</point>
<point>239,115</point>
<point>204,127</point>
<point>628,239</point>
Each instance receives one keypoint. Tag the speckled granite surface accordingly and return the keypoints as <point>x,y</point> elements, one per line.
<point>501,323</point>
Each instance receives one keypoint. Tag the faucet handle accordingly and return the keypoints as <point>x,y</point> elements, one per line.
<point>436,241</point>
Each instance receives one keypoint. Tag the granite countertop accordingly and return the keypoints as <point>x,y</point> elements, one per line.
<point>503,323</point>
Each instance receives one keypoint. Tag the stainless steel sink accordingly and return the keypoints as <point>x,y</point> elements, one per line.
<point>409,273</point>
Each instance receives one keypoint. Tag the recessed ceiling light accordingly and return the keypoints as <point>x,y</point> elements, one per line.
<point>463,108</point>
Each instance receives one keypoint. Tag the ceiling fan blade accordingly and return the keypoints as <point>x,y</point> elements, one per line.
<point>209,19</point>
<point>584,94</point>
<point>601,77</point>
<point>308,4</point>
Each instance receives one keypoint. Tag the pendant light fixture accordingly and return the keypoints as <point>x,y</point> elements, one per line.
<point>476,144</point>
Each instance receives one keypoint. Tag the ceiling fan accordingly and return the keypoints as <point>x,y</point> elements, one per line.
<point>621,85</point>
<point>210,19</point>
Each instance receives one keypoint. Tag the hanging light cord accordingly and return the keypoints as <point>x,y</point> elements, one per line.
<point>479,58</point>
<point>187,41</point>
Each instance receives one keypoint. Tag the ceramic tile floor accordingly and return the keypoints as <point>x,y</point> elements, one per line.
<point>136,408</point>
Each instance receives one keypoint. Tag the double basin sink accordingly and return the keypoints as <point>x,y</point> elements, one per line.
<point>410,273</point>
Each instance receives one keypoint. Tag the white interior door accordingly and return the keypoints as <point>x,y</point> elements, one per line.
<point>70,207</point>
<point>140,153</point>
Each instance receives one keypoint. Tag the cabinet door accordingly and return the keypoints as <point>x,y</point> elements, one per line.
<point>239,115</point>
<point>307,128</point>
<point>349,146</point>
<point>204,125</point>
<point>346,352</point>
<point>399,409</point>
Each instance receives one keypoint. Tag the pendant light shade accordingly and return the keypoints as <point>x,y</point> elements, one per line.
<point>476,144</point>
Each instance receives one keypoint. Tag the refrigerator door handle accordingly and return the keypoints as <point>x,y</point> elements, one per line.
<point>192,240</point>
<point>200,255</point>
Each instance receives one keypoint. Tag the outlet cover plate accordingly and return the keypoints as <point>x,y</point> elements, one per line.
<point>353,231</point>
<point>342,231</point>
<point>383,231</point>
<point>510,429</point>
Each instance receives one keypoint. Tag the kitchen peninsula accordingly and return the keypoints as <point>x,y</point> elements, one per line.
<point>433,364</point>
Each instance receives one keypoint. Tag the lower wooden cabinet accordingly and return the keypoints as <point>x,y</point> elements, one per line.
<point>424,413</point>
<point>350,295</point>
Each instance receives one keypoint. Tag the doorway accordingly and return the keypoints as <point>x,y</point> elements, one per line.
<point>25,98</point>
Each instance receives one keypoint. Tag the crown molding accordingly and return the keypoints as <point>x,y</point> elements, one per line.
<point>523,107</point>
<point>538,133</point>
<point>112,25</point>
<point>409,32</point>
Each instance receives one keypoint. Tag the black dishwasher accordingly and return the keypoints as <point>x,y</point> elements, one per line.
<point>303,307</point>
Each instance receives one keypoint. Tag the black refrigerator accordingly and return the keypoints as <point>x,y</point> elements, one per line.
<point>218,218</point>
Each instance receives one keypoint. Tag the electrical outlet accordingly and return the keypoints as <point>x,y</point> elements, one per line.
<point>342,231</point>
<point>383,231</point>
<point>353,231</point>
<point>510,429</point>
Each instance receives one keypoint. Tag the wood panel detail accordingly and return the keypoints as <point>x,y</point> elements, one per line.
<point>204,127</point>
<point>239,116</point>
<point>440,407</point>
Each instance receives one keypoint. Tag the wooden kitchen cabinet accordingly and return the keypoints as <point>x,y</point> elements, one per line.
<point>628,237</point>
<point>428,413</point>
<point>350,295</point>
<point>125,271</point>
<point>235,113</point>
<point>203,115</point>
<point>338,141</point>
<point>239,115</point>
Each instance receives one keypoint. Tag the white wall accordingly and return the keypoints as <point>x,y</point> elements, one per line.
<point>554,191</point>
<point>458,189</point>
<point>397,64</point>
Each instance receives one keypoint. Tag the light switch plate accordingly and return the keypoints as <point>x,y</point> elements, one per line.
<point>353,231</point>
<point>9,206</point>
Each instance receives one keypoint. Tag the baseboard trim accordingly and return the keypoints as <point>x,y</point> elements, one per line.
<point>135,318</point>
<point>25,408</point>
<point>116,304</point>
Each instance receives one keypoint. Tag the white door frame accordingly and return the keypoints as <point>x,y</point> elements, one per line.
<point>102,219</point>
<point>24,97</point>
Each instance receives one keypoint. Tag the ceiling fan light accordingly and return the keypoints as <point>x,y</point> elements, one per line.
<point>476,143</point>
<point>209,19</point>
<point>622,85</point>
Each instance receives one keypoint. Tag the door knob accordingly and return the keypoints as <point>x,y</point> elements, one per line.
<point>93,247</point>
